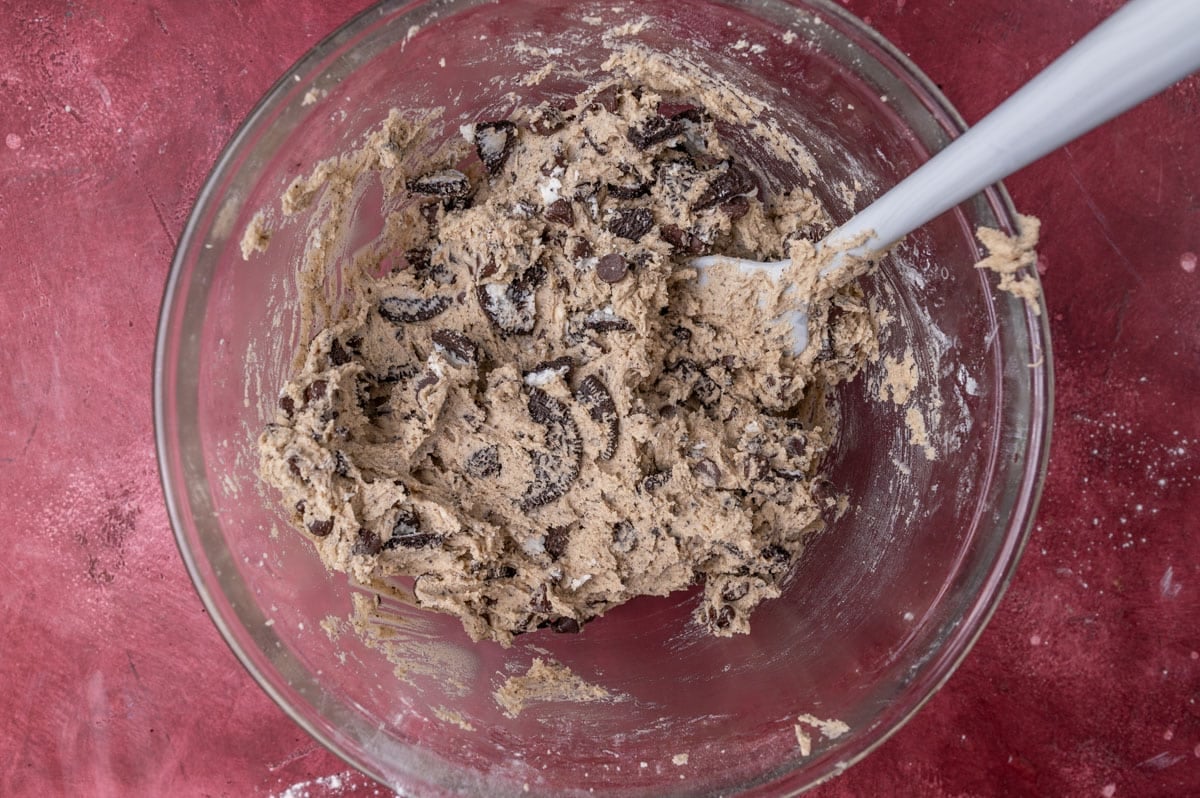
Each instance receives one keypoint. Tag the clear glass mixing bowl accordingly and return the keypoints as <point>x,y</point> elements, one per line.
<point>883,604</point>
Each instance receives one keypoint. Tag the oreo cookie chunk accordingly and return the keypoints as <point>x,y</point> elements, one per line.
<point>556,467</point>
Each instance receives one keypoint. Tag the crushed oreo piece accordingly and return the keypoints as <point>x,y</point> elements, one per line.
<point>556,541</point>
<point>409,310</point>
<point>407,532</point>
<point>631,223</point>
<point>652,482</point>
<point>655,130</point>
<point>484,463</point>
<point>775,555</point>
<point>547,119</point>
<point>624,537</point>
<point>721,618</point>
<point>736,208</point>
<point>707,472</point>
<point>539,601</point>
<point>735,591</point>
<point>458,348</point>
<point>735,181</point>
<point>367,544</point>
<point>494,142</point>
<point>338,355</point>
<point>543,373</point>
<point>606,321</point>
<point>502,572</point>
<point>566,626</point>
<point>608,98</point>
<point>315,390</point>
<point>445,183</point>
<point>511,308</point>
<point>582,248</point>
<point>555,468</point>
<point>595,397</point>
<point>288,405</point>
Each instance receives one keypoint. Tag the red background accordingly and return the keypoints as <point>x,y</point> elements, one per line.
<point>114,682</point>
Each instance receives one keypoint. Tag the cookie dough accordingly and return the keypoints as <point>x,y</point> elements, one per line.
<point>538,413</point>
<point>546,681</point>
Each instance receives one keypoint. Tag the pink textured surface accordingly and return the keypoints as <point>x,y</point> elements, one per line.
<point>114,682</point>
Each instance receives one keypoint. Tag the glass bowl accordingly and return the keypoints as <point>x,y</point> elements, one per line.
<point>882,605</point>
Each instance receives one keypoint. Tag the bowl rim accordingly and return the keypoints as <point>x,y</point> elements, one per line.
<point>944,661</point>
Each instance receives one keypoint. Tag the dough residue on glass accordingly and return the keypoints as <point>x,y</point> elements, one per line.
<point>544,681</point>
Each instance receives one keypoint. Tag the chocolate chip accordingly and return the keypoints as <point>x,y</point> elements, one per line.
<point>683,240</point>
<point>735,591</point>
<point>315,390</point>
<point>494,142</point>
<point>631,223</point>
<point>287,405</point>
<point>654,130</point>
<point>707,472</point>
<point>409,310</point>
<point>320,529</point>
<point>560,211</point>
<point>487,268</point>
<point>460,349</point>
<point>483,463</point>
<point>407,532</point>
<point>556,541</point>
<point>300,506</point>
<point>736,180</point>
<point>556,468</point>
<point>612,268</point>
<point>446,183</point>
<point>652,482</point>
<point>624,536</point>
<point>367,544</point>
<point>608,98</point>
<point>736,208</point>
<point>606,321</point>
<point>294,466</point>
<point>567,626</point>
<point>594,395</point>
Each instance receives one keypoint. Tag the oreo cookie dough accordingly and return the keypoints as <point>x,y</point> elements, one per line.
<point>538,413</point>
